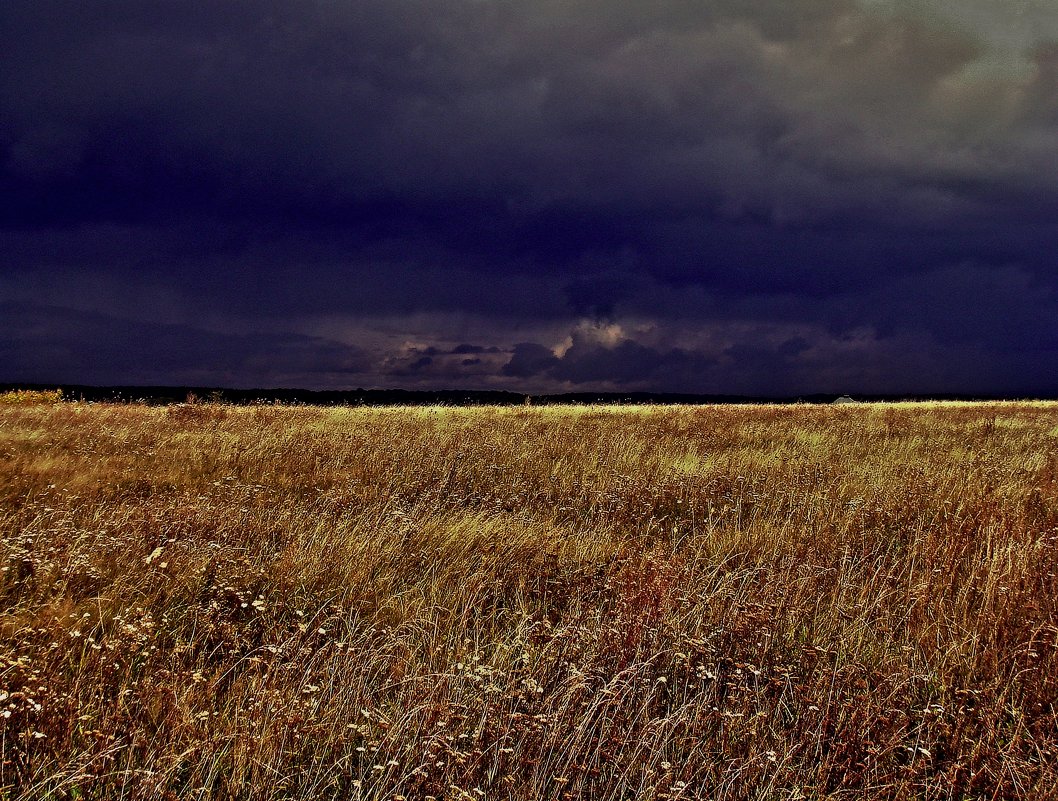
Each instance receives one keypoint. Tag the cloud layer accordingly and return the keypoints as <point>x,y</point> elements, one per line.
<point>724,196</point>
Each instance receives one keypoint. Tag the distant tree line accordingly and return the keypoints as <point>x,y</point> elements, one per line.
<point>405,397</point>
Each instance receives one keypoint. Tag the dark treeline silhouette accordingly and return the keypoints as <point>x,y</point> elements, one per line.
<point>407,397</point>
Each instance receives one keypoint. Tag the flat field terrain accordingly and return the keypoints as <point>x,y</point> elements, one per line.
<point>756,602</point>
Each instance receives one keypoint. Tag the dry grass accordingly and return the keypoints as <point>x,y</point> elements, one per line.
<point>29,397</point>
<point>599,603</point>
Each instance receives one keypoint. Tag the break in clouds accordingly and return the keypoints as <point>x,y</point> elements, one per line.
<point>744,197</point>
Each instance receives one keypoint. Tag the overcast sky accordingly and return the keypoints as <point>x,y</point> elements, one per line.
<point>723,196</point>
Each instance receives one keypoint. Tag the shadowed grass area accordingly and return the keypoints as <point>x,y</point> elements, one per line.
<point>589,602</point>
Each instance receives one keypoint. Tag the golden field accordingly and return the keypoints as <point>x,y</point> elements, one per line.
<point>727,602</point>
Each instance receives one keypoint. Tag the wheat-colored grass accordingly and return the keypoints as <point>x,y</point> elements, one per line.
<point>783,602</point>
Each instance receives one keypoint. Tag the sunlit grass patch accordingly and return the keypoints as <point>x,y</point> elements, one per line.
<point>30,397</point>
<point>688,464</point>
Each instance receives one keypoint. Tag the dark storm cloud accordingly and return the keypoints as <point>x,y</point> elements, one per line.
<point>712,169</point>
<point>467,348</point>
<point>46,344</point>
<point>530,359</point>
<point>603,355</point>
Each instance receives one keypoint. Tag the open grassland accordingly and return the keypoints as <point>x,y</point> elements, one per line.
<point>601,603</point>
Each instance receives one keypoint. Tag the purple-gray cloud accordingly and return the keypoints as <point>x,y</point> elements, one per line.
<point>718,179</point>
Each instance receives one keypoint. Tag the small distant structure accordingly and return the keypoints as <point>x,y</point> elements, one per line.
<point>845,399</point>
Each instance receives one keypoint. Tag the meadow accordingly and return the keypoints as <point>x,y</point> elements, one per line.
<point>716,602</point>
